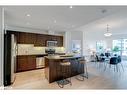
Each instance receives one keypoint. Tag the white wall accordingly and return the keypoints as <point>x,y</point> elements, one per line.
<point>67,41</point>
<point>1,45</point>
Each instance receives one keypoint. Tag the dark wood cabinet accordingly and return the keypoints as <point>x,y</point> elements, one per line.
<point>38,39</point>
<point>31,62</point>
<point>25,63</point>
<point>60,41</point>
<point>26,38</point>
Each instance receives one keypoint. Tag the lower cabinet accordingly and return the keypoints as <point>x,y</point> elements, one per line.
<point>25,63</point>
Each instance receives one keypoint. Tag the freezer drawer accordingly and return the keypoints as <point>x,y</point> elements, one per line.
<point>40,62</point>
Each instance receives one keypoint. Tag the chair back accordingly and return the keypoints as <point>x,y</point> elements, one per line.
<point>114,60</point>
<point>102,54</point>
<point>107,54</point>
<point>119,59</point>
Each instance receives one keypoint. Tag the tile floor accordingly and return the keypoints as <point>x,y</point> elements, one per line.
<point>98,79</point>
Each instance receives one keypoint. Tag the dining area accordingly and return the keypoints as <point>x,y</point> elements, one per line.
<point>107,60</point>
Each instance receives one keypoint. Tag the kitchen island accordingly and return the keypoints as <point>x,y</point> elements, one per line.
<point>52,67</point>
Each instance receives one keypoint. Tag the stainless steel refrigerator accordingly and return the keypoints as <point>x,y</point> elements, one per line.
<point>10,52</point>
<point>13,57</point>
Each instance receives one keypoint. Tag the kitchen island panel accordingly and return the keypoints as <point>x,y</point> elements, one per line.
<point>52,68</point>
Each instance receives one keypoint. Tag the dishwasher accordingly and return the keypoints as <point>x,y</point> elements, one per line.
<point>40,62</point>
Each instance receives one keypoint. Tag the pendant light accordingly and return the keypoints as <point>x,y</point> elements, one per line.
<point>108,34</point>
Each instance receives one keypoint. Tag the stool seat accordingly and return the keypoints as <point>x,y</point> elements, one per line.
<point>82,61</point>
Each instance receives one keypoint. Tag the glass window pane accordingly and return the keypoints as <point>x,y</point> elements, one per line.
<point>100,46</point>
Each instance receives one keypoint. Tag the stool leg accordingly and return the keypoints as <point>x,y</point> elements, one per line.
<point>79,66</point>
<point>86,72</point>
<point>70,77</point>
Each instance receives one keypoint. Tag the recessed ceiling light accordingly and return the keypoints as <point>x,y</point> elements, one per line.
<point>72,26</point>
<point>54,21</point>
<point>71,7</point>
<point>28,15</point>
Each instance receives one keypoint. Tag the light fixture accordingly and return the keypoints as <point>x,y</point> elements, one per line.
<point>28,15</point>
<point>108,34</point>
<point>70,7</point>
<point>54,21</point>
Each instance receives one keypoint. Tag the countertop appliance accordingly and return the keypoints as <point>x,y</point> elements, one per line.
<point>50,51</point>
<point>10,52</point>
<point>51,43</point>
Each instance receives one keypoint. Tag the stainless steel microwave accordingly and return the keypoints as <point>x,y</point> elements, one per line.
<point>52,43</point>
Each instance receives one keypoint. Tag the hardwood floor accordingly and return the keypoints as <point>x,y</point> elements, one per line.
<point>98,79</point>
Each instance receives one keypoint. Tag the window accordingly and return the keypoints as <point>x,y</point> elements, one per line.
<point>100,46</point>
<point>120,47</point>
<point>117,46</point>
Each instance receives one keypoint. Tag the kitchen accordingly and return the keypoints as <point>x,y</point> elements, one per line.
<point>27,51</point>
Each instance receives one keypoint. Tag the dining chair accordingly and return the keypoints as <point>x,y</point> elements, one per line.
<point>114,61</point>
<point>119,61</point>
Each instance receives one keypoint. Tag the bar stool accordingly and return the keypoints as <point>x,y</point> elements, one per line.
<point>82,64</point>
<point>65,70</point>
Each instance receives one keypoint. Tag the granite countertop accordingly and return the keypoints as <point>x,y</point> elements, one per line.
<point>57,57</point>
<point>39,55</point>
<point>34,55</point>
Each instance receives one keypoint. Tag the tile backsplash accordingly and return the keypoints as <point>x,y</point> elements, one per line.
<point>29,49</point>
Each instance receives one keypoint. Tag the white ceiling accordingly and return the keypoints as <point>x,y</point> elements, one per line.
<point>117,25</point>
<point>43,17</point>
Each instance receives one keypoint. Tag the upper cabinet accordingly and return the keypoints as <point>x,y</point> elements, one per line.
<point>60,41</point>
<point>38,39</point>
<point>26,38</point>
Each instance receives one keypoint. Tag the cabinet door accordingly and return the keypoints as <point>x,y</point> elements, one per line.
<point>30,38</point>
<point>40,40</point>
<point>26,38</point>
<point>31,62</point>
<point>60,41</point>
<point>54,38</point>
<point>22,63</point>
<point>21,38</point>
